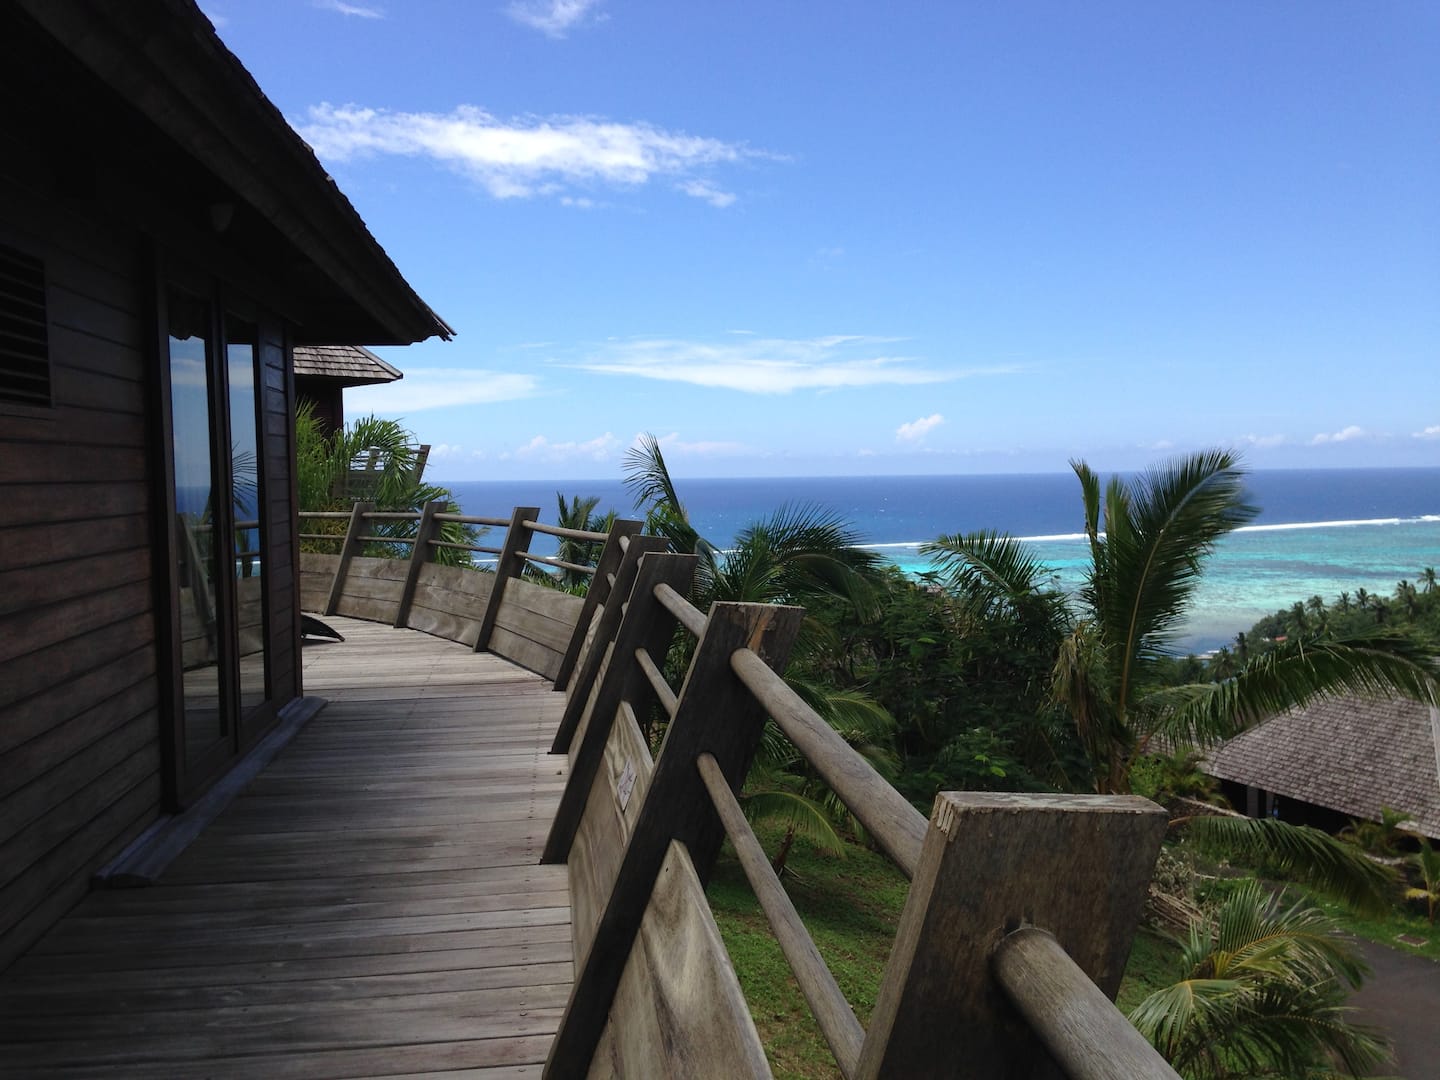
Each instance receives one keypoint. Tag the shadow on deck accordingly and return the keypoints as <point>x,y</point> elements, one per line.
<point>373,905</point>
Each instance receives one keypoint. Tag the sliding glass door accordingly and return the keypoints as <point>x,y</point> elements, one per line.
<point>218,625</point>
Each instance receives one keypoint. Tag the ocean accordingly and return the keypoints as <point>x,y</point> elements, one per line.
<point>1318,532</point>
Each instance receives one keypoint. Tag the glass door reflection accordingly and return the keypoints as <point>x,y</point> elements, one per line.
<point>206,722</point>
<point>241,346</point>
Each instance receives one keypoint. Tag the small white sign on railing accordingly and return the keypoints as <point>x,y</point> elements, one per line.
<point>626,784</point>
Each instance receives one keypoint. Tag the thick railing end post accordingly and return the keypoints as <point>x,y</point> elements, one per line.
<point>1076,866</point>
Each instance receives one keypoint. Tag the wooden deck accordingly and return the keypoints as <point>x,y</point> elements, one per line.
<point>371,906</point>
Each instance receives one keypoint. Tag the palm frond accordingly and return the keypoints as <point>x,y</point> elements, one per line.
<point>794,812</point>
<point>815,551</point>
<point>1293,674</point>
<point>1158,530</point>
<point>1300,853</point>
<point>648,477</point>
<point>1261,994</point>
<point>992,571</point>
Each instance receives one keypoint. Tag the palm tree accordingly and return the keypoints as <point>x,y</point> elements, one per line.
<point>1261,994</point>
<point>1362,599</point>
<point>1427,861</point>
<point>1427,578</point>
<point>390,459</point>
<point>1148,541</point>
<point>1299,621</point>
<point>799,553</point>
<point>1378,837</point>
<point>579,514</point>
<point>1242,647</point>
<point>1343,601</point>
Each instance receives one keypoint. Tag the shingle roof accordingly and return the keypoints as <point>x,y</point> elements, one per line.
<point>353,365</point>
<point>1350,754</point>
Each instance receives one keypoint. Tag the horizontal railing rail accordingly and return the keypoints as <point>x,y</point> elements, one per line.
<point>1035,896</point>
<point>361,577</point>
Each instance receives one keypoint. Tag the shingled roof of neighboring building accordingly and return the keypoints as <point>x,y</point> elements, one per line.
<point>348,365</point>
<point>1349,754</point>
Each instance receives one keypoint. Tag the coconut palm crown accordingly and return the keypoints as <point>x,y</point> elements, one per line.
<point>1149,537</point>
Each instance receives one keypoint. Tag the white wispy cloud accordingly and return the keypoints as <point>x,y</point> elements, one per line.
<point>772,365</point>
<point>359,11</point>
<point>446,451</point>
<point>675,446</point>
<point>1262,441</point>
<point>526,156</point>
<point>704,189</point>
<point>918,429</point>
<point>218,21</point>
<point>555,18</point>
<point>435,388</point>
<point>1345,434</point>
<point>601,448</point>
<point>1431,432</point>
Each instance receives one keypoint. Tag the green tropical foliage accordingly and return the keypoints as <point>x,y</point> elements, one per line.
<point>798,552</point>
<point>1261,994</point>
<point>798,555</point>
<point>1149,538</point>
<point>578,514</point>
<point>1427,864</point>
<point>1380,838</point>
<point>389,454</point>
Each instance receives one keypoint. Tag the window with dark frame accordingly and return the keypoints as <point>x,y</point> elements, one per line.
<point>24,330</point>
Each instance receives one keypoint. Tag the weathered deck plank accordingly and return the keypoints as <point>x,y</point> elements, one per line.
<point>372,905</point>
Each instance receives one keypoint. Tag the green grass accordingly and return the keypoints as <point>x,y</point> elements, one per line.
<point>1383,930</point>
<point>851,906</point>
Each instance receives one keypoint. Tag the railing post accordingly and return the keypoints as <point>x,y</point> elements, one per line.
<point>578,692</point>
<point>420,554</point>
<point>716,715</point>
<point>647,625</point>
<point>599,591</point>
<point>510,565</point>
<point>1076,866</point>
<point>348,550</point>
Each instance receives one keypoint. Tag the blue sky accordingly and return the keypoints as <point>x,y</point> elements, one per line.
<point>849,237</point>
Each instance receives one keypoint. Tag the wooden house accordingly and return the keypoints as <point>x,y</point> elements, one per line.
<point>166,241</point>
<point>1337,759</point>
<point>324,372</point>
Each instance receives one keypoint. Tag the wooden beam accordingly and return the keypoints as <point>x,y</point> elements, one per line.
<point>717,716</point>
<point>598,593</point>
<point>1085,1033</point>
<point>1077,866</point>
<point>420,554</point>
<point>348,550</point>
<point>647,626</point>
<point>510,564</point>
<point>611,616</point>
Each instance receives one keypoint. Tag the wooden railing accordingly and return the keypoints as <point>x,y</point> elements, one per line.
<point>489,608</point>
<point>1016,929</point>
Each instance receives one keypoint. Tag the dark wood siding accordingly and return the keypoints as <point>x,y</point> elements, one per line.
<point>79,701</point>
<point>83,684</point>
<point>277,426</point>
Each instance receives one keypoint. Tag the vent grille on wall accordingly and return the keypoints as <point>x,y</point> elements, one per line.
<point>24,334</point>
